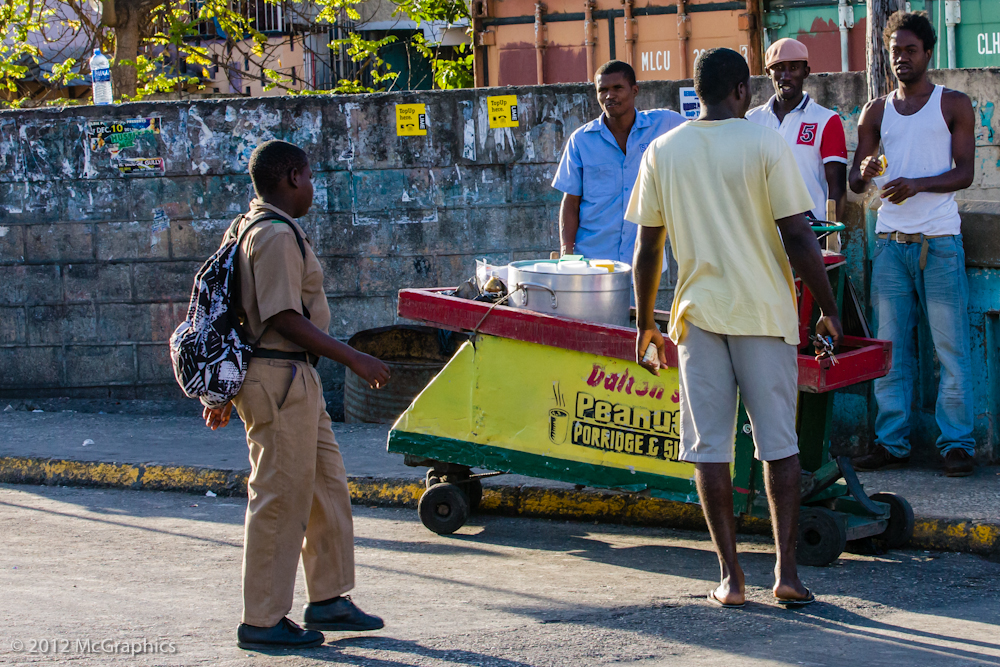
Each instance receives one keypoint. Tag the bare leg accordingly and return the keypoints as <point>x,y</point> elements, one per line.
<point>715,489</point>
<point>782,481</point>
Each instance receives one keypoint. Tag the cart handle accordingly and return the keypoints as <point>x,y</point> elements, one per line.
<point>829,227</point>
<point>555,302</point>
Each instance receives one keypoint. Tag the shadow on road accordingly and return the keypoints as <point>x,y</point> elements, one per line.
<point>407,650</point>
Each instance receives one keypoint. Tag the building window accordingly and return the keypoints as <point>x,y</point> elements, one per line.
<point>207,28</point>
<point>266,17</point>
<point>248,91</point>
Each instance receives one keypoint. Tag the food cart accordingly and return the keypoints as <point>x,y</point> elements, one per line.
<point>562,399</point>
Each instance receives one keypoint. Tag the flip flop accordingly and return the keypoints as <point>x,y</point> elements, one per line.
<point>720,603</point>
<point>796,603</point>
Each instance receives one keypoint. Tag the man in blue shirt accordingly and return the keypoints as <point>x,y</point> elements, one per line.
<point>600,164</point>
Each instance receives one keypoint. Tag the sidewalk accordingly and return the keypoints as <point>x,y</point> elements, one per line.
<point>178,453</point>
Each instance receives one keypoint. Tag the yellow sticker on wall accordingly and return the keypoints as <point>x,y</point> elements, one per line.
<point>503,111</point>
<point>411,120</point>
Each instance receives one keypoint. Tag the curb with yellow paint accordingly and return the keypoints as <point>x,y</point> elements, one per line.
<point>526,501</point>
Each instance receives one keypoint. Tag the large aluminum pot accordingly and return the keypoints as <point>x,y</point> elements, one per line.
<point>600,297</point>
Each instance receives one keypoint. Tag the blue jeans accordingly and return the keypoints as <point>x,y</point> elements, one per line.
<point>941,291</point>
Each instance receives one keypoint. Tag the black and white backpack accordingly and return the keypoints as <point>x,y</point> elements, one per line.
<point>209,350</point>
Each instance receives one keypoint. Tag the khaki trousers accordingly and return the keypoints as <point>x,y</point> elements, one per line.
<point>299,502</point>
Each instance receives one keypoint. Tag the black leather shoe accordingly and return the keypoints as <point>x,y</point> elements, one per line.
<point>880,459</point>
<point>339,614</point>
<point>285,634</point>
<point>958,463</point>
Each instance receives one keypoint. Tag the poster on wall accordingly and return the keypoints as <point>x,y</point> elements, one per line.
<point>690,106</point>
<point>132,145</point>
<point>503,111</point>
<point>411,120</point>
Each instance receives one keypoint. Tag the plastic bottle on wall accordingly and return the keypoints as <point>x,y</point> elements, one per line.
<point>100,75</point>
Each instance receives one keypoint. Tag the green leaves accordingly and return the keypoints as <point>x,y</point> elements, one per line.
<point>18,20</point>
<point>187,45</point>
<point>454,72</point>
<point>366,51</point>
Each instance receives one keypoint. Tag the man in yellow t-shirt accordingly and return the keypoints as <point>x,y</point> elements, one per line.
<point>722,188</point>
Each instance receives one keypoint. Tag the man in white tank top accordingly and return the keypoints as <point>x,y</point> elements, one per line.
<point>927,134</point>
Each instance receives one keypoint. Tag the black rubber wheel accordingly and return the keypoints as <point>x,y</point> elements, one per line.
<point>901,521</point>
<point>474,492</point>
<point>822,537</point>
<point>443,508</point>
<point>431,478</point>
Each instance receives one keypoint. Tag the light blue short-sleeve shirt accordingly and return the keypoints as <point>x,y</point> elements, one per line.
<point>594,168</point>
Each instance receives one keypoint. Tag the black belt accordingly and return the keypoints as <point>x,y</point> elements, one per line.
<point>264,353</point>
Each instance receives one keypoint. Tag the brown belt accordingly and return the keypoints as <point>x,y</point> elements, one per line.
<point>900,237</point>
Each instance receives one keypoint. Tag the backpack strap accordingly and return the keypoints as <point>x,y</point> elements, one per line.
<point>264,217</point>
<point>273,217</point>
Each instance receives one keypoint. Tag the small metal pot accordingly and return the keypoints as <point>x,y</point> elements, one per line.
<point>604,297</point>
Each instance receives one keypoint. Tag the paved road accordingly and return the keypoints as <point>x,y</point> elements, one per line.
<point>124,565</point>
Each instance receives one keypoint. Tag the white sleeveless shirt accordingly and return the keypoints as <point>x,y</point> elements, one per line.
<point>917,146</point>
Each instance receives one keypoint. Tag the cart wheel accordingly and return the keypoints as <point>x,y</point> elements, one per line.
<point>901,521</point>
<point>474,492</point>
<point>431,478</point>
<point>443,509</point>
<point>822,537</point>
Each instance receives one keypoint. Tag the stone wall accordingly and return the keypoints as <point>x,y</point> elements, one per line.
<point>96,266</point>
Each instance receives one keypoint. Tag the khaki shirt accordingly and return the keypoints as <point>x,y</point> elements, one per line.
<point>274,278</point>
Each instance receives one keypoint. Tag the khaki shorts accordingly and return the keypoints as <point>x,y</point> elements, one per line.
<point>712,367</point>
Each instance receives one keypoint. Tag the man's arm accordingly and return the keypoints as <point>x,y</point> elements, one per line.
<point>807,261</point>
<point>866,167</point>
<point>961,119</point>
<point>569,223</point>
<point>836,181</point>
<point>646,269</point>
<point>833,153</point>
<point>298,329</point>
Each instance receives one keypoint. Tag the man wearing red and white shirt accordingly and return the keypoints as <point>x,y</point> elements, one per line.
<point>815,133</point>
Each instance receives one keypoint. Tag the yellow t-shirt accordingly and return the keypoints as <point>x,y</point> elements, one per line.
<point>718,187</point>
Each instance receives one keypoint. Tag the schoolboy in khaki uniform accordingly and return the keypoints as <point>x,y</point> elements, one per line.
<point>299,502</point>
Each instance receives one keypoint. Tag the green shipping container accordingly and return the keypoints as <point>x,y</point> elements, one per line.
<point>816,24</point>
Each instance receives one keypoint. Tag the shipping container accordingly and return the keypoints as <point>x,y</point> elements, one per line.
<point>968,31</point>
<point>521,42</point>
<point>524,42</point>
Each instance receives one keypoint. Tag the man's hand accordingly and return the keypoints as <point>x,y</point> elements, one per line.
<point>370,369</point>
<point>900,189</point>
<point>866,167</point>
<point>642,340</point>
<point>217,417</point>
<point>829,325</point>
<point>870,168</point>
